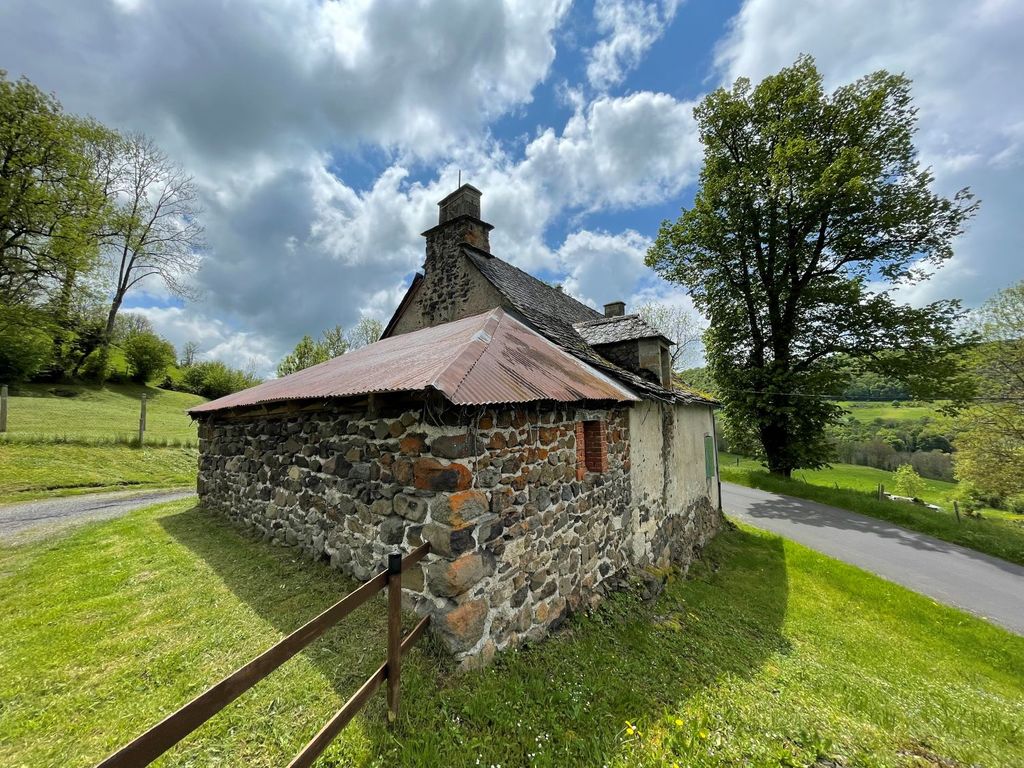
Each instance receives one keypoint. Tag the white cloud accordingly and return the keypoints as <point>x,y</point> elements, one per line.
<point>619,153</point>
<point>964,59</point>
<point>630,28</point>
<point>258,100</point>
<point>601,267</point>
<point>222,85</point>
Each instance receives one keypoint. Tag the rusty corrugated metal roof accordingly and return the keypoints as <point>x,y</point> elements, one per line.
<point>488,358</point>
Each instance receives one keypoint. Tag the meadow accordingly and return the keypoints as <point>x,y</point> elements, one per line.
<point>73,438</point>
<point>107,414</point>
<point>765,654</point>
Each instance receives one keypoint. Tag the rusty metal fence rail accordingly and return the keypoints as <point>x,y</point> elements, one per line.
<point>147,747</point>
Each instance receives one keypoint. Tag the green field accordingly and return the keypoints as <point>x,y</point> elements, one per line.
<point>72,438</point>
<point>851,476</point>
<point>90,414</point>
<point>868,411</point>
<point>36,470</point>
<point>766,655</point>
<point>997,533</point>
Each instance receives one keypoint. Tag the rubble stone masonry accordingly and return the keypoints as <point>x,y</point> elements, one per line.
<point>523,530</point>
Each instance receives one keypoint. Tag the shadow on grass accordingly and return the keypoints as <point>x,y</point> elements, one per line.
<point>561,702</point>
<point>286,589</point>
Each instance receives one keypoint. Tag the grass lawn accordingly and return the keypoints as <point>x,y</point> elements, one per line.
<point>998,533</point>
<point>92,414</point>
<point>36,470</point>
<point>767,655</point>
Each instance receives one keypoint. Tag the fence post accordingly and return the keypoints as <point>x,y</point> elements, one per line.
<point>142,420</point>
<point>394,632</point>
<point>3,408</point>
<point>956,509</point>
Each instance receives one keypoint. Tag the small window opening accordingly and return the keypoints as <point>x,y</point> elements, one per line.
<point>591,448</point>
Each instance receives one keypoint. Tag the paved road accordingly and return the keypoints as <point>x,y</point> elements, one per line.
<point>950,574</point>
<point>35,519</point>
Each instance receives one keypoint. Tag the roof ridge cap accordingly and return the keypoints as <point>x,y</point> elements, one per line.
<point>598,320</point>
<point>475,349</point>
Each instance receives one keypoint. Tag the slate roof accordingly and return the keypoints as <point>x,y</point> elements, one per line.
<point>480,360</point>
<point>612,330</point>
<point>555,313</point>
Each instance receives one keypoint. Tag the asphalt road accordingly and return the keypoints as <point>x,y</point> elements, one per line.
<point>36,519</point>
<point>983,585</point>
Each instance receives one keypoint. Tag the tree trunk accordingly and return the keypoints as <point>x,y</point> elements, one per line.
<point>774,440</point>
<point>108,332</point>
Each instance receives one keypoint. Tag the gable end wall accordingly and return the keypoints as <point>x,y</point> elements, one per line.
<point>452,288</point>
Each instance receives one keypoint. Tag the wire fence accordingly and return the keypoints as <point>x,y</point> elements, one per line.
<point>144,420</point>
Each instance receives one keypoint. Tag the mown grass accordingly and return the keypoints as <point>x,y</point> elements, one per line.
<point>89,414</point>
<point>767,655</point>
<point>1000,536</point>
<point>30,471</point>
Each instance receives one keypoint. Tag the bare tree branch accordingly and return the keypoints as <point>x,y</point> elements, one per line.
<point>680,325</point>
<point>155,230</point>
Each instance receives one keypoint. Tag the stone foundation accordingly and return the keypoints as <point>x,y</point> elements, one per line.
<point>521,534</point>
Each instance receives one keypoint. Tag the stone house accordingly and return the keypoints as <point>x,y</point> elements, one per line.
<point>536,443</point>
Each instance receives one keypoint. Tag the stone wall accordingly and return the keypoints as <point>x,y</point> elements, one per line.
<point>520,535</point>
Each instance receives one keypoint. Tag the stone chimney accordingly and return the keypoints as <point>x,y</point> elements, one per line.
<point>458,223</point>
<point>615,309</point>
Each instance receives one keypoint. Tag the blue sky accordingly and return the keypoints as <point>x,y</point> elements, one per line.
<point>322,134</point>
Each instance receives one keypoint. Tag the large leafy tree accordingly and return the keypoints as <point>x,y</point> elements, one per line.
<point>51,203</point>
<point>811,208</point>
<point>990,434</point>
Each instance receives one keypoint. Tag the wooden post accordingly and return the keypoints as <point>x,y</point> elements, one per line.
<point>3,408</point>
<point>956,509</point>
<point>142,420</point>
<point>394,663</point>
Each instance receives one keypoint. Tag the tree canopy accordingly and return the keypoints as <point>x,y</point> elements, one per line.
<point>677,323</point>
<point>332,343</point>
<point>990,436</point>
<point>811,209</point>
<point>86,215</point>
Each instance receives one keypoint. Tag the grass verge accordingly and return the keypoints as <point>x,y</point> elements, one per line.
<point>767,655</point>
<point>31,471</point>
<point>997,536</point>
<point>89,415</point>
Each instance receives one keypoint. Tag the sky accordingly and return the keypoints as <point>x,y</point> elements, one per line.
<point>321,134</point>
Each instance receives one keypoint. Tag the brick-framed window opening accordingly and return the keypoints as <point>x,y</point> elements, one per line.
<point>591,448</point>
